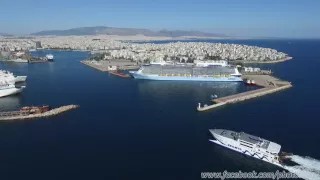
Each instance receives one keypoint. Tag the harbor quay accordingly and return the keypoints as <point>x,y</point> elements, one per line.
<point>268,83</point>
<point>111,65</point>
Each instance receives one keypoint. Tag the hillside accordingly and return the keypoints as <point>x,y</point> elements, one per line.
<point>103,30</point>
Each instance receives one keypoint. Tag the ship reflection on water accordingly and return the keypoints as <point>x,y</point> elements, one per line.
<point>185,89</point>
<point>10,103</point>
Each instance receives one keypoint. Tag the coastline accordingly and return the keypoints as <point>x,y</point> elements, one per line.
<point>97,67</point>
<point>265,62</point>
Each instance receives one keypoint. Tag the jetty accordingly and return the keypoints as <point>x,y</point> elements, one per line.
<point>22,115</point>
<point>111,65</point>
<point>268,83</point>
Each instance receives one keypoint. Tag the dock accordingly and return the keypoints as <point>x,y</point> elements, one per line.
<point>106,66</point>
<point>18,115</point>
<point>269,83</point>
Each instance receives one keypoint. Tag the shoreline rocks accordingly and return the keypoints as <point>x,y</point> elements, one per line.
<point>49,113</point>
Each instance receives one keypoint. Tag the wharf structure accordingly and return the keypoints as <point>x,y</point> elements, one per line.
<point>111,65</point>
<point>269,83</point>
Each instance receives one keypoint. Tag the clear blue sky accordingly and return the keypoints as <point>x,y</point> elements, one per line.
<point>274,18</point>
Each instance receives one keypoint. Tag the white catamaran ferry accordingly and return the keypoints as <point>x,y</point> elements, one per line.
<point>250,145</point>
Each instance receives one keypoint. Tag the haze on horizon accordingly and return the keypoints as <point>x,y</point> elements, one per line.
<point>250,18</point>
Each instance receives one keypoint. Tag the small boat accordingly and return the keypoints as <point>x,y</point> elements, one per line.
<point>249,82</point>
<point>214,96</point>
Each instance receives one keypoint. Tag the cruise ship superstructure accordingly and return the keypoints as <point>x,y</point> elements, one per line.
<point>248,144</point>
<point>188,72</point>
<point>10,78</point>
<point>8,81</point>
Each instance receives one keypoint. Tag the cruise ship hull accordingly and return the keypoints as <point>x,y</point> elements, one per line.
<point>20,79</point>
<point>10,91</point>
<point>184,78</point>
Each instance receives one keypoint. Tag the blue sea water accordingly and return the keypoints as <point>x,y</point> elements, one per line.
<point>135,129</point>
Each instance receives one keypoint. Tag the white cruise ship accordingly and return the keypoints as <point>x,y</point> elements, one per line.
<point>7,89</point>
<point>248,144</point>
<point>197,63</point>
<point>10,78</point>
<point>49,57</point>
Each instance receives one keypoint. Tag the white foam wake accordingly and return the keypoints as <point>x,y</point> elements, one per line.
<point>306,162</point>
<point>308,167</point>
<point>303,172</point>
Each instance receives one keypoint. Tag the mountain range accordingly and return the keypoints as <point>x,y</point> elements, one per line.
<point>103,30</point>
<point>5,34</point>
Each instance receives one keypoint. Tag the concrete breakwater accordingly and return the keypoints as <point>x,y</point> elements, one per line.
<point>106,66</point>
<point>250,94</point>
<point>49,113</point>
<point>270,85</point>
<point>95,66</point>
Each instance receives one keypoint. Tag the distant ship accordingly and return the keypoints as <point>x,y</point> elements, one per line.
<point>19,60</point>
<point>49,57</point>
<point>188,72</point>
<point>9,77</point>
<point>250,145</point>
<point>7,89</point>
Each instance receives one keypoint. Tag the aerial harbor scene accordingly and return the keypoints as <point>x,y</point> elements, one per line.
<point>113,97</point>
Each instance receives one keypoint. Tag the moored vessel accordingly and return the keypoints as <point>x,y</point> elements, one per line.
<point>187,73</point>
<point>9,77</point>
<point>250,82</point>
<point>19,60</point>
<point>7,89</point>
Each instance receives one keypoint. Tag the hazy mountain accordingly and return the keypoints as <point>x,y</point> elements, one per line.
<point>123,32</point>
<point>178,33</point>
<point>5,34</point>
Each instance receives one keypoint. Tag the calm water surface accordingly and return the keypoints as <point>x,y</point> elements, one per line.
<point>135,129</point>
